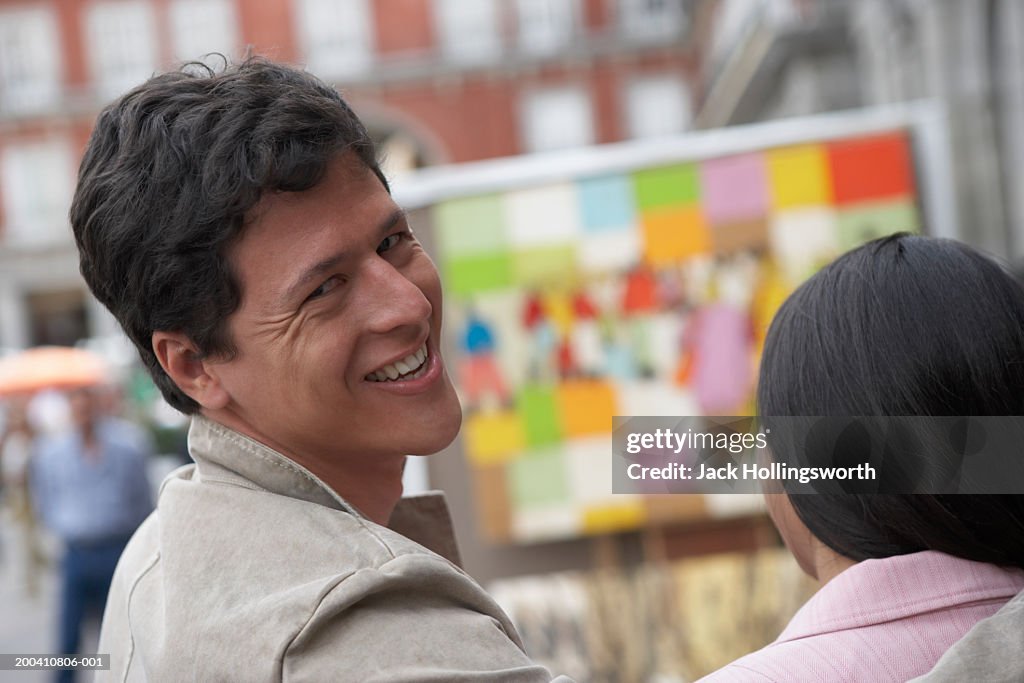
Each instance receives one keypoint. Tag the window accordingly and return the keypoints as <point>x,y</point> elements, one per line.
<point>38,182</point>
<point>57,317</point>
<point>121,43</point>
<point>337,35</point>
<point>732,20</point>
<point>656,106</point>
<point>546,26</point>
<point>469,31</point>
<point>557,118</point>
<point>651,19</point>
<point>199,27</point>
<point>29,59</point>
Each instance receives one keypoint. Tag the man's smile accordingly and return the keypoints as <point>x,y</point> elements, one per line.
<point>411,366</point>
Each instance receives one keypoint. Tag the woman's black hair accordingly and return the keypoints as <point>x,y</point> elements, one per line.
<point>905,325</point>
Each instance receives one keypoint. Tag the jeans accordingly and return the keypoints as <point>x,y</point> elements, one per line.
<point>86,572</point>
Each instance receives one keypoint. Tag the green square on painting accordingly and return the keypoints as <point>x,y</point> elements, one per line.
<point>474,225</point>
<point>538,409</point>
<point>543,267</point>
<point>860,224</point>
<point>538,479</point>
<point>470,274</point>
<point>667,186</point>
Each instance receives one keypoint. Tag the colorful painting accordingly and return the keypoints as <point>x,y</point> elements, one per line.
<point>646,292</point>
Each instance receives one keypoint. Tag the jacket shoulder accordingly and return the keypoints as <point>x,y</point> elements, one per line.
<point>219,558</point>
<point>990,651</point>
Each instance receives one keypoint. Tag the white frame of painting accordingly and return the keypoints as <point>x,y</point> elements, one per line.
<point>926,122</point>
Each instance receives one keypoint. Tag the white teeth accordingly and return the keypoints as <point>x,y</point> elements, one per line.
<point>413,363</point>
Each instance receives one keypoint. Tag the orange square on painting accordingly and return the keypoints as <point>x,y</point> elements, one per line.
<point>864,169</point>
<point>586,407</point>
<point>740,235</point>
<point>671,235</point>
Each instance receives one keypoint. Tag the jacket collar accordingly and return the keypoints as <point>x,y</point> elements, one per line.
<point>222,454</point>
<point>877,591</point>
<point>220,451</point>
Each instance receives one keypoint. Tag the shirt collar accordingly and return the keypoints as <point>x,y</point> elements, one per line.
<point>877,591</point>
<point>222,452</point>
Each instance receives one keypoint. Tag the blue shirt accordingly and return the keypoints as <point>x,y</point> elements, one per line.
<point>98,496</point>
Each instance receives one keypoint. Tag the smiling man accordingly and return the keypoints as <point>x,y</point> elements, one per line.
<point>239,228</point>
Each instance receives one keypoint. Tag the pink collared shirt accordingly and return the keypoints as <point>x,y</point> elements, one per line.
<point>880,620</point>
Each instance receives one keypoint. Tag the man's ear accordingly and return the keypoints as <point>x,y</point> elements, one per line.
<point>180,359</point>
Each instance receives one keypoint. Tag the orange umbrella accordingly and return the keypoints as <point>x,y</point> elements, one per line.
<point>50,367</point>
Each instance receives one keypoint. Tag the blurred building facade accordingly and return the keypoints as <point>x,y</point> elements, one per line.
<point>446,81</point>
<point>437,81</point>
<point>767,59</point>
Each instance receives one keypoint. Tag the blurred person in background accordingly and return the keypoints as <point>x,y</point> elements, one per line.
<point>16,445</point>
<point>238,226</point>
<point>902,326</point>
<point>90,488</point>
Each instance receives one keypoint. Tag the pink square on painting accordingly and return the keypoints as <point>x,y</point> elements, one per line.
<point>734,188</point>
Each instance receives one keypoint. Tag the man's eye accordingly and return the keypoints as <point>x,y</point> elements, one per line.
<point>327,286</point>
<point>389,242</point>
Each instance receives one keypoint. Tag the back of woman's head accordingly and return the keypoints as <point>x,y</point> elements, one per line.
<point>904,325</point>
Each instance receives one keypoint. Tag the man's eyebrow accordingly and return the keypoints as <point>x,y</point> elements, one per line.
<point>322,266</point>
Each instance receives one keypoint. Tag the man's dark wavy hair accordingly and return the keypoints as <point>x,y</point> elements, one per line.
<point>171,172</point>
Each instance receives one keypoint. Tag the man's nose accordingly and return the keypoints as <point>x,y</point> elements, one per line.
<point>393,299</point>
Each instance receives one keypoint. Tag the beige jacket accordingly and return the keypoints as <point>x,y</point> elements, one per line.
<point>991,652</point>
<point>252,569</point>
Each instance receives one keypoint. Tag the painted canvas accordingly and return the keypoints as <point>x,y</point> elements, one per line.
<point>647,292</point>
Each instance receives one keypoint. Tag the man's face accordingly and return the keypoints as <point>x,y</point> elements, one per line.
<point>84,408</point>
<point>339,305</point>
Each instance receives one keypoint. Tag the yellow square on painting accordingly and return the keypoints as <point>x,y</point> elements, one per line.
<point>672,235</point>
<point>494,437</point>
<point>799,176</point>
<point>558,306</point>
<point>610,518</point>
<point>586,406</point>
